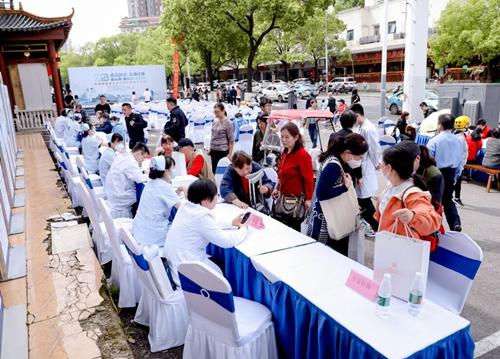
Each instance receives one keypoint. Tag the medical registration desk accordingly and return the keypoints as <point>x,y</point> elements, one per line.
<point>315,314</point>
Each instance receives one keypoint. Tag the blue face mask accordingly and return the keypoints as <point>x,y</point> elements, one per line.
<point>172,175</point>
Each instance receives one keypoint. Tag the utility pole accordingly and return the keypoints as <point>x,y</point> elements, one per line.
<point>383,75</point>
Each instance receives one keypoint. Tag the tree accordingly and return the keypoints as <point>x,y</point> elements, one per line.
<point>319,30</point>
<point>116,50</point>
<point>202,27</point>
<point>255,19</point>
<point>468,32</point>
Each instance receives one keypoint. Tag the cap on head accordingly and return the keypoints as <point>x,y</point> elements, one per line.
<point>462,122</point>
<point>158,163</point>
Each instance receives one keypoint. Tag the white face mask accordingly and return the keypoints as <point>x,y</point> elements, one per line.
<point>354,163</point>
<point>119,147</point>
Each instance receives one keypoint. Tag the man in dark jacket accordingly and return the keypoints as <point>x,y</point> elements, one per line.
<point>135,125</point>
<point>332,105</point>
<point>235,188</point>
<point>175,128</point>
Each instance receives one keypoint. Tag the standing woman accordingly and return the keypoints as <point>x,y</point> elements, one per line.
<point>295,174</point>
<point>222,141</point>
<point>311,123</point>
<point>333,180</point>
<point>90,148</point>
<point>355,97</point>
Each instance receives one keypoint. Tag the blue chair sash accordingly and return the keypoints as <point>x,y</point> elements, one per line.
<point>139,259</point>
<point>139,187</point>
<point>63,165</point>
<point>456,262</point>
<point>173,212</point>
<point>220,170</point>
<point>225,300</point>
<point>198,124</point>
<point>383,143</point>
<point>249,132</point>
<point>89,183</point>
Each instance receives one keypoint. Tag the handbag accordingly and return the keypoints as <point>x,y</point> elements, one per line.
<point>341,212</point>
<point>290,206</point>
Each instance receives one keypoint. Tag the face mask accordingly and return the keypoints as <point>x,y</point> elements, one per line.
<point>354,163</point>
<point>172,175</point>
<point>119,147</point>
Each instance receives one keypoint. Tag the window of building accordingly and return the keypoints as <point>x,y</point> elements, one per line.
<point>376,30</point>
<point>391,27</point>
<point>349,35</point>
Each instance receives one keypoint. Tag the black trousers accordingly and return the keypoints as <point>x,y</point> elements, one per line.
<point>341,246</point>
<point>289,222</point>
<point>216,156</point>
<point>450,209</point>
<point>367,211</point>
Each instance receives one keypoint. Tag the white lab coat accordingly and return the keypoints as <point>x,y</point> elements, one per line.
<point>71,132</point>
<point>370,160</point>
<point>120,184</point>
<point>193,228</point>
<point>105,162</point>
<point>91,154</point>
<point>60,126</point>
<point>150,225</point>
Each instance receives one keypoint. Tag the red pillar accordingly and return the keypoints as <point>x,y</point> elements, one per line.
<point>56,81</point>
<point>6,81</point>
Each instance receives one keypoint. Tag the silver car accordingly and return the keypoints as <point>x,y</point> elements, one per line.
<point>277,92</point>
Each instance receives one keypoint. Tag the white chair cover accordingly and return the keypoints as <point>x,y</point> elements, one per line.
<point>219,171</point>
<point>452,269</point>
<point>160,308</point>
<point>245,141</point>
<point>223,326</point>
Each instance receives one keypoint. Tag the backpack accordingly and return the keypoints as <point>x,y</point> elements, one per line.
<point>433,238</point>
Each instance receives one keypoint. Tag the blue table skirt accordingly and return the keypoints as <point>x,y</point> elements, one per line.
<point>309,332</point>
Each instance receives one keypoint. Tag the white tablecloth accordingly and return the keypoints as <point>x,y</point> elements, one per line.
<point>275,236</point>
<point>319,274</point>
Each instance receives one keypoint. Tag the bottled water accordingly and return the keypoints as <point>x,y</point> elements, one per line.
<point>384,296</point>
<point>415,296</point>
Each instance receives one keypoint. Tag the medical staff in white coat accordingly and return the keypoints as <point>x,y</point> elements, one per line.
<point>108,155</point>
<point>158,205</point>
<point>72,132</point>
<point>368,185</point>
<point>90,148</point>
<point>124,173</point>
<point>194,227</point>
<point>60,124</point>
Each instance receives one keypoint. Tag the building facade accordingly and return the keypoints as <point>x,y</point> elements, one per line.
<point>141,15</point>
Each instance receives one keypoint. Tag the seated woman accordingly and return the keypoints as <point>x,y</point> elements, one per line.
<point>106,125</point>
<point>118,126</point>
<point>108,156</point>
<point>196,163</point>
<point>166,146</point>
<point>492,155</point>
<point>90,148</point>
<point>156,207</point>
<point>234,187</point>
<point>432,176</point>
<point>194,227</point>
<point>405,205</point>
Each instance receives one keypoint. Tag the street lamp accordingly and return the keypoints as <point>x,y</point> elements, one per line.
<point>329,10</point>
<point>383,74</point>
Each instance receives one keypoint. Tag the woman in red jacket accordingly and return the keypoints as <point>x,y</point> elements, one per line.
<point>295,171</point>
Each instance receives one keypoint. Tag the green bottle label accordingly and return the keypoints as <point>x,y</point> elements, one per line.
<point>415,297</point>
<point>383,301</point>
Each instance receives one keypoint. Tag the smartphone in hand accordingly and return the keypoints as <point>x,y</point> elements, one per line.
<point>245,218</point>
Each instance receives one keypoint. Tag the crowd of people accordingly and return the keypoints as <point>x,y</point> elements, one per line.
<point>421,180</point>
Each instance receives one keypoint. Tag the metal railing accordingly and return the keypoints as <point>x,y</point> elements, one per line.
<point>33,119</point>
<point>369,39</point>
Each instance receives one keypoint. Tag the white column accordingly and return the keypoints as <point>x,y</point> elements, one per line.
<point>415,57</point>
<point>383,75</point>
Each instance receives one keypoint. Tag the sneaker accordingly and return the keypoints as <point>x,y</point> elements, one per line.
<point>457,228</point>
<point>365,226</point>
<point>458,201</point>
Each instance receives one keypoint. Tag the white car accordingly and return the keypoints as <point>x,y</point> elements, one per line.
<point>277,92</point>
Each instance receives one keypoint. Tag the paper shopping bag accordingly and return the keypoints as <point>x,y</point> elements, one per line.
<point>402,257</point>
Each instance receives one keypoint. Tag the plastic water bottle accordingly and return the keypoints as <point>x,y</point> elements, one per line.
<point>415,296</point>
<point>384,296</point>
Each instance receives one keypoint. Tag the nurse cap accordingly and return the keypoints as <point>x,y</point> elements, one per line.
<point>158,163</point>
<point>84,127</point>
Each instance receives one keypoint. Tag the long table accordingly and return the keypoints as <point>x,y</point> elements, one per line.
<point>315,315</point>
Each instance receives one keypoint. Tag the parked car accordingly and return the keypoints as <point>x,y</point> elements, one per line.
<point>302,80</point>
<point>394,102</point>
<point>277,92</point>
<point>303,90</point>
<point>342,84</point>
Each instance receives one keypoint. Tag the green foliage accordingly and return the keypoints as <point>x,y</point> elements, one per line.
<point>347,4</point>
<point>468,30</point>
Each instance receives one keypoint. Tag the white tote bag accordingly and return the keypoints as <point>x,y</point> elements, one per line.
<point>402,257</point>
<point>341,212</point>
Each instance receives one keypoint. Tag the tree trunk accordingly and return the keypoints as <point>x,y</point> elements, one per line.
<point>207,57</point>
<point>237,71</point>
<point>251,57</point>
<point>316,75</point>
<point>286,66</point>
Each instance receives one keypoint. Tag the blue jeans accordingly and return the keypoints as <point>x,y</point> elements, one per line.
<point>313,134</point>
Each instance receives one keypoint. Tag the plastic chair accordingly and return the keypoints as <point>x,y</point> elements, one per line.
<point>386,141</point>
<point>70,180</point>
<point>223,326</point>
<point>245,142</point>
<point>99,235</point>
<point>160,308</point>
<point>198,130</point>
<point>220,169</point>
<point>122,272</point>
<point>452,269</point>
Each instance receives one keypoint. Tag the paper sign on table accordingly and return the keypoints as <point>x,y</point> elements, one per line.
<point>365,286</point>
<point>255,221</point>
